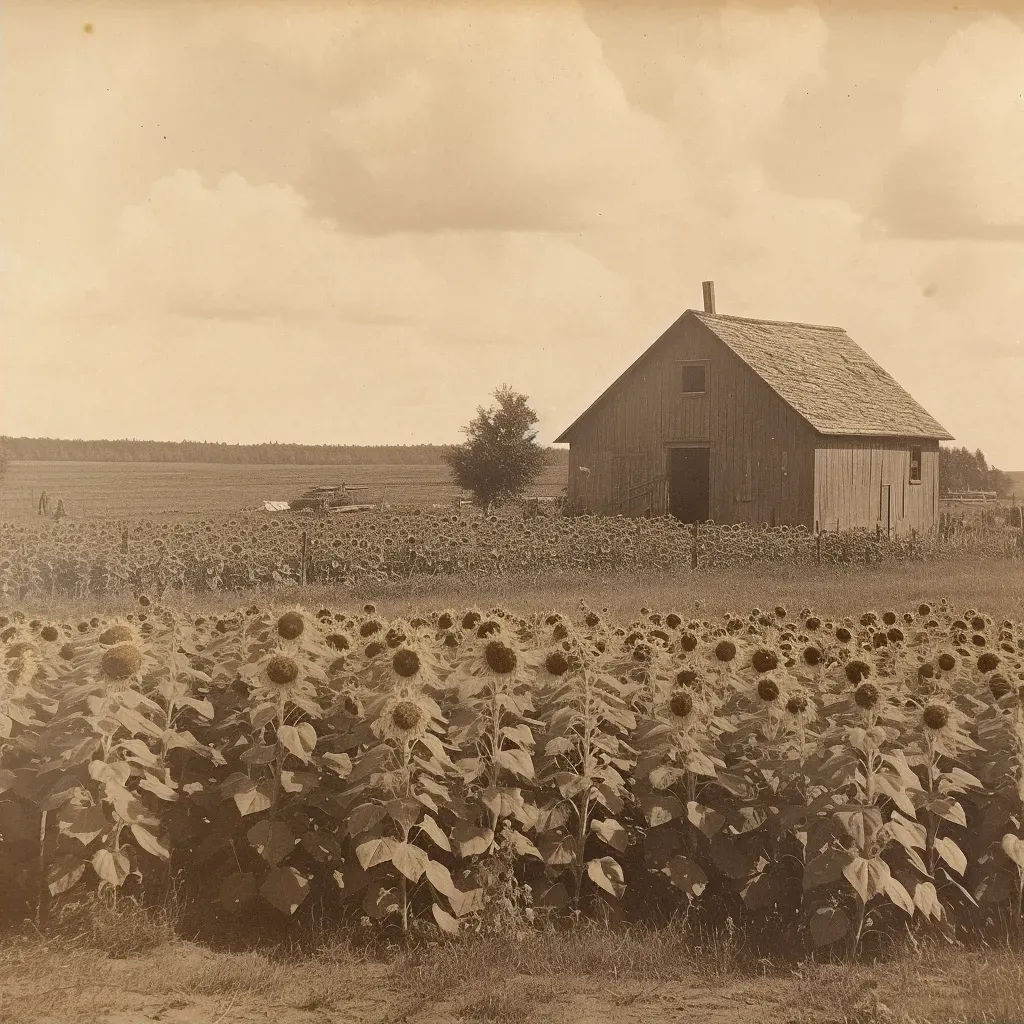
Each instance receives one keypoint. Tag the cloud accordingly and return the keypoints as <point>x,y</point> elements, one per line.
<point>957,172</point>
<point>481,118</point>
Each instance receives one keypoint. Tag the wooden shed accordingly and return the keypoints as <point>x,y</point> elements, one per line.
<point>735,420</point>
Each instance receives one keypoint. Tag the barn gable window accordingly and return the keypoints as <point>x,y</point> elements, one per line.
<point>694,378</point>
<point>915,465</point>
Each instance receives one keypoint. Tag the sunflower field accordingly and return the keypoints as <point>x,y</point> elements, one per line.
<point>97,557</point>
<point>830,782</point>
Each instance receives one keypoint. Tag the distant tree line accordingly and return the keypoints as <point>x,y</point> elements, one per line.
<point>46,449</point>
<point>963,470</point>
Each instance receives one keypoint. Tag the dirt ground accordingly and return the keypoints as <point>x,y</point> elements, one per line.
<point>180,983</point>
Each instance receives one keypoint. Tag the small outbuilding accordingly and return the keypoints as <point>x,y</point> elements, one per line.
<point>735,420</point>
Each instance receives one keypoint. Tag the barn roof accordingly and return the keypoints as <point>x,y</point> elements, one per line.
<point>820,372</point>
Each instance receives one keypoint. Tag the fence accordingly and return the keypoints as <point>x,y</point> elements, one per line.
<point>241,553</point>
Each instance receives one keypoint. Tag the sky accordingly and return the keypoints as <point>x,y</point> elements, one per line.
<point>348,223</point>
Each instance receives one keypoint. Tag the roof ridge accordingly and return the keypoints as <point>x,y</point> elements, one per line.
<point>772,323</point>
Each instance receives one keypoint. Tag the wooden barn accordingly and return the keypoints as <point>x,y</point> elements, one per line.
<point>735,420</point>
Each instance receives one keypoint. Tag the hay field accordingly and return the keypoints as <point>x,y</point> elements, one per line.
<point>128,489</point>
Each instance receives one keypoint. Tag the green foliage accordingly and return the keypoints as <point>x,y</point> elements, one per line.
<point>500,456</point>
<point>963,470</point>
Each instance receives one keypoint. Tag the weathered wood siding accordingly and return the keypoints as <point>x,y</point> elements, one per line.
<point>762,452</point>
<point>849,475</point>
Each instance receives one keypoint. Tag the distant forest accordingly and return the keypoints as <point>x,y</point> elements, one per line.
<point>963,470</point>
<point>959,468</point>
<point>46,449</point>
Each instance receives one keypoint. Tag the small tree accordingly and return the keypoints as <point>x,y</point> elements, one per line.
<point>500,455</point>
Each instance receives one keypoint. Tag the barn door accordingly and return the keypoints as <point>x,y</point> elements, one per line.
<point>885,509</point>
<point>689,484</point>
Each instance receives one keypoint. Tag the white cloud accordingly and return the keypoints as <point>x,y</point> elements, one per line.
<point>958,172</point>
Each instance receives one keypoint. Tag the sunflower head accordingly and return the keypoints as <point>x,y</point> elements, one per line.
<point>797,704</point>
<point>725,651</point>
<point>500,657</point>
<point>935,716</point>
<point>290,626</point>
<point>681,704</point>
<point>282,670</point>
<point>812,656</point>
<point>768,690</point>
<point>405,662</point>
<point>857,671</point>
<point>988,662</point>
<point>406,715</point>
<point>866,696</point>
<point>121,662</point>
<point>556,663</point>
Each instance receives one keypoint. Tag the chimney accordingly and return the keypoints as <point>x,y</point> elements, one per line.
<point>709,296</point>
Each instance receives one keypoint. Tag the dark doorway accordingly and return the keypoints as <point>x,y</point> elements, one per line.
<point>689,484</point>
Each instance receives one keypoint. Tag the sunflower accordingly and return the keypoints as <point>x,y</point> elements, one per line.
<point>406,717</point>
<point>945,728</point>
<point>498,659</point>
<point>282,676</point>
<point>413,663</point>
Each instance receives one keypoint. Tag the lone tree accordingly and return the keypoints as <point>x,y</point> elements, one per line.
<point>500,455</point>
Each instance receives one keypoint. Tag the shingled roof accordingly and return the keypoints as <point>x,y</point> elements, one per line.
<point>821,373</point>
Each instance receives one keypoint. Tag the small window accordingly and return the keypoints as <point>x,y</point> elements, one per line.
<point>915,465</point>
<point>694,378</point>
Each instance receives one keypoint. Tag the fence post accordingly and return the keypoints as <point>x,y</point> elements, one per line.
<point>817,546</point>
<point>302,566</point>
<point>693,547</point>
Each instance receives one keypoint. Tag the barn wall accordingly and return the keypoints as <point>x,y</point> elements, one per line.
<point>848,479</point>
<point>762,453</point>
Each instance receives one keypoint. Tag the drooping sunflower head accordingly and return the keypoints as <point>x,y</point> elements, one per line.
<point>936,716</point>
<point>120,631</point>
<point>867,696</point>
<point>500,657</point>
<point>857,671</point>
<point>681,704</point>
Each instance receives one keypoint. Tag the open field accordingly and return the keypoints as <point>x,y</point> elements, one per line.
<point>593,977</point>
<point>994,584</point>
<point>130,489</point>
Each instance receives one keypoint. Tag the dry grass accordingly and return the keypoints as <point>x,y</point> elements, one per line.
<point>994,586</point>
<point>589,975</point>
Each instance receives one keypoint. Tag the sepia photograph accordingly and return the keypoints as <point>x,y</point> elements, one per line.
<point>512,512</point>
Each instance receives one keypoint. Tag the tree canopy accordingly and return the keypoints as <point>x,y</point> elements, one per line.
<point>961,470</point>
<point>500,456</point>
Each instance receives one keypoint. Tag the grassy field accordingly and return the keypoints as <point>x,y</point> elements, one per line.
<point>126,489</point>
<point>994,587</point>
<point>591,976</point>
